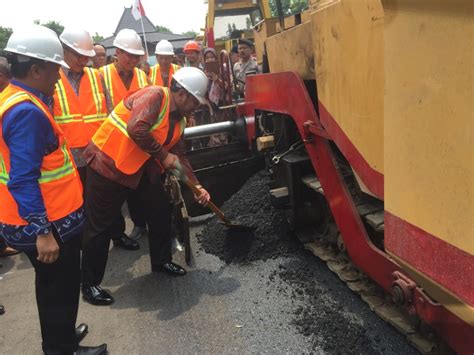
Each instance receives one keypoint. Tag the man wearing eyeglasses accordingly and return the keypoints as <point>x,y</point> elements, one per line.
<point>139,140</point>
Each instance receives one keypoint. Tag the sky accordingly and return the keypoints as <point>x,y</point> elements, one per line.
<point>102,16</point>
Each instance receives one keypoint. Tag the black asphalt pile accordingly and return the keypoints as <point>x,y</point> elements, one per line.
<point>328,312</point>
<point>250,206</point>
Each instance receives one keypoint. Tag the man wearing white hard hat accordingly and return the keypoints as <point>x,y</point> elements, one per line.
<point>163,71</point>
<point>81,101</point>
<point>137,143</point>
<point>41,201</point>
<point>123,77</point>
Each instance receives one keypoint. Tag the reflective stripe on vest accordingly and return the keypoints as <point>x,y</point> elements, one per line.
<point>115,86</point>
<point>113,139</point>
<point>46,175</point>
<point>79,115</point>
<point>117,122</point>
<point>59,181</point>
<point>156,77</point>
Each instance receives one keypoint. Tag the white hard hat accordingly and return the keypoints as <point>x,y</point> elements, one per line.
<point>37,42</point>
<point>194,81</point>
<point>129,41</point>
<point>79,40</point>
<point>164,47</point>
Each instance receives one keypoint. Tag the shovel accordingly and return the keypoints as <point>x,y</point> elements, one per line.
<point>232,225</point>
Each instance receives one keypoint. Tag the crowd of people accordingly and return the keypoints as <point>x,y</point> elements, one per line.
<point>81,135</point>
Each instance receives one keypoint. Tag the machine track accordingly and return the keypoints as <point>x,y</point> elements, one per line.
<point>329,247</point>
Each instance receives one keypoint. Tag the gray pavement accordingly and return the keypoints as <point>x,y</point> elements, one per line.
<point>215,309</point>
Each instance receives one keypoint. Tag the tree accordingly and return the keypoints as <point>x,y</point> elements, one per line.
<point>5,33</point>
<point>53,25</point>
<point>163,29</point>
<point>190,33</point>
<point>289,7</point>
<point>97,38</point>
<point>248,23</point>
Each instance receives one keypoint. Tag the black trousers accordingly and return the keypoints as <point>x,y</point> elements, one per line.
<point>104,199</point>
<point>137,212</point>
<point>57,296</point>
<point>117,230</point>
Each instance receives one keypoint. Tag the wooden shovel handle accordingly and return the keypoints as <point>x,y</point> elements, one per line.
<point>210,204</point>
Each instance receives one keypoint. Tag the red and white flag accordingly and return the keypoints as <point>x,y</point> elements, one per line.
<point>137,10</point>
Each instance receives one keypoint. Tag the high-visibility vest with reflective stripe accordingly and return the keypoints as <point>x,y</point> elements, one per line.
<point>112,137</point>
<point>157,79</point>
<point>79,116</point>
<point>115,86</point>
<point>59,181</point>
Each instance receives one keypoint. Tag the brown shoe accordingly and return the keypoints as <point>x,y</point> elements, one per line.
<point>8,252</point>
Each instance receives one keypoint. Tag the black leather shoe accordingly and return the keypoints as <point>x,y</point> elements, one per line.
<point>81,332</point>
<point>92,350</point>
<point>137,233</point>
<point>126,243</point>
<point>170,268</point>
<point>96,295</point>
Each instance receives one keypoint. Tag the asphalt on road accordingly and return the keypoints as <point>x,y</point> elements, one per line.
<point>285,303</point>
<point>217,308</point>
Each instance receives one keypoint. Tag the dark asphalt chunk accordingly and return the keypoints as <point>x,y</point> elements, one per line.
<point>324,309</point>
<point>250,206</point>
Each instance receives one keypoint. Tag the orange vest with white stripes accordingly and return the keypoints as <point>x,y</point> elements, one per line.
<point>157,79</point>
<point>79,116</point>
<point>59,181</point>
<point>115,86</point>
<point>113,139</point>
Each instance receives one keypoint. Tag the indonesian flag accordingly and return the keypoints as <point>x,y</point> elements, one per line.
<point>137,10</point>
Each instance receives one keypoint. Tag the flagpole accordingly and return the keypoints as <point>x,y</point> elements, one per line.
<point>144,37</point>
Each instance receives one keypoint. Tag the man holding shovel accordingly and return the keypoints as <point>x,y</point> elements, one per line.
<point>142,137</point>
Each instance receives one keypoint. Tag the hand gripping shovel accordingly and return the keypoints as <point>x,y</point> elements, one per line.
<point>180,173</point>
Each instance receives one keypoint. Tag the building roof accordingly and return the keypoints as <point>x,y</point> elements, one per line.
<point>152,35</point>
<point>128,21</point>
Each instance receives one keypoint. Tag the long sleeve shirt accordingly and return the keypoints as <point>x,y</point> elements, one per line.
<point>145,107</point>
<point>29,136</point>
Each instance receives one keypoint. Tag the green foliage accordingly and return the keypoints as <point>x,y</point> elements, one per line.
<point>53,25</point>
<point>290,7</point>
<point>163,29</point>
<point>97,38</point>
<point>190,33</point>
<point>5,33</point>
<point>248,23</point>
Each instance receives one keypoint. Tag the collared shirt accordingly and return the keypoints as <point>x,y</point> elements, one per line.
<point>75,81</point>
<point>241,70</point>
<point>29,136</point>
<point>145,105</point>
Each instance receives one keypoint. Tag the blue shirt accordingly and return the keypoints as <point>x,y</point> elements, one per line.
<point>29,136</point>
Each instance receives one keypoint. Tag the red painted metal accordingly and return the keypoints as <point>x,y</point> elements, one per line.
<point>312,128</point>
<point>226,73</point>
<point>210,37</point>
<point>371,177</point>
<point>447,265</point>
<point>286,93</point>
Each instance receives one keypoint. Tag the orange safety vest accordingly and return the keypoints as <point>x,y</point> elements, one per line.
<point>79,116</point>
<point>59,182</point>
<point>112,137</point>
<point>157,79</point>
<point>114,83</point>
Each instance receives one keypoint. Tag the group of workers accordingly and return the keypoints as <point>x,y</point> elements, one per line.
<point>76,142</point>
